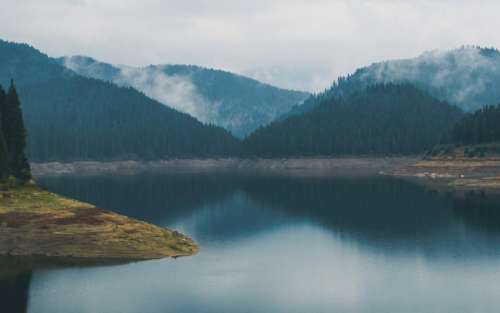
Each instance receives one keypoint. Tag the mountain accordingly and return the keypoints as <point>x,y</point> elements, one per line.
<point>70,117</point>
<point>237,103</point>
<point>467,77</point>
<point>382,119</point>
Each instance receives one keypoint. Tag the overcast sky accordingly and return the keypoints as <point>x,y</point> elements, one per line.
<point>302,44</point>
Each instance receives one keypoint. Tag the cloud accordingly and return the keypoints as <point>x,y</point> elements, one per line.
<point>461,75</point>
<point>177,91</point>
<point>302,44</point>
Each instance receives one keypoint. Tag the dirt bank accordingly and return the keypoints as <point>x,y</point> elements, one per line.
<point>319,165</point>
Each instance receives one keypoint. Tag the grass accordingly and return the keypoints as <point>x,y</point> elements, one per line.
<point>35,222</point>
<point>29,197</point>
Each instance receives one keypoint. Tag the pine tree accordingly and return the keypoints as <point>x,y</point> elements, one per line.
<point>4,167</point>
<point>15,135</point>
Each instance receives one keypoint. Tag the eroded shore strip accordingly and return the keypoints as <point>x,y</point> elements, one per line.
<point>317,165</point>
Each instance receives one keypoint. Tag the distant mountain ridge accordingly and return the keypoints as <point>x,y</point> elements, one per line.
<point>70,117</point>
<point>468,77</point>
<point>234,102</point>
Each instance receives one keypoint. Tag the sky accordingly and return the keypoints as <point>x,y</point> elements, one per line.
<point>295,44</point>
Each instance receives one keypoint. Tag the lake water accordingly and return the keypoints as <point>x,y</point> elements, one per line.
<point>281,244</point>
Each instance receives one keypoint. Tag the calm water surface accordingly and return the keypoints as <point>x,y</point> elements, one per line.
<point>281,244</point>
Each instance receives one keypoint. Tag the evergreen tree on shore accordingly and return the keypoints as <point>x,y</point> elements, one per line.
<point>4,167</point>
<point>14,134</point>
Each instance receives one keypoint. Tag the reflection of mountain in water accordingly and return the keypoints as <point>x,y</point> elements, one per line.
<point>373,207</point>
<point>376,212</point>
<point>480,211</point>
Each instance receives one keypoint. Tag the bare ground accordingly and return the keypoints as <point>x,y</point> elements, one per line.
<point>316,165</point>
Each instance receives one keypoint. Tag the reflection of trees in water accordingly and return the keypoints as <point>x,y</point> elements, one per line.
<point>222,211</point>
<point>479,210</point>
<point>14,286</point>
<point>366,206</point>
<point>372,207</point>
<point>153,197</point>
<point>374,210</point>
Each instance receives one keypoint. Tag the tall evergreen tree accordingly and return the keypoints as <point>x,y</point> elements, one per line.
<point>15,135</point>
<point>4,167</point>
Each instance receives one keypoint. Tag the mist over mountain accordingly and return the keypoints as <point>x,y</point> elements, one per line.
<point>237,103</point>
<point>108,112</point>
<point>467,77</point>
<point>71,117</point>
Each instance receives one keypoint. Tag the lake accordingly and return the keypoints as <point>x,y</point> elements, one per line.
<point>276,244</point>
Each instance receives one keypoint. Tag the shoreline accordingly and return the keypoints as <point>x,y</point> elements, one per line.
<point>456,173</point>
<point>312,165</point>
<point>443,172</point>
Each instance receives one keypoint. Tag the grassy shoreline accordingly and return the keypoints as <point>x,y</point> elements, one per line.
<point>37,223</point>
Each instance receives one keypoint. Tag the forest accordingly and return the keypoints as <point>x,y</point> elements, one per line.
<point>481,126</point>
<point>383,120</point>
<point>86,119</point>
<point>69,117</point>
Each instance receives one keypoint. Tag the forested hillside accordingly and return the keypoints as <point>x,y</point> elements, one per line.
<point>467,77</point>
<point>383,119</point>
<point>237,103</point>
<point>69,117</point>
<point>482,126</point>
<point>72,117</point>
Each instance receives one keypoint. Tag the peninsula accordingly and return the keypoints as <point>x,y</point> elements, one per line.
<point>35,222</point>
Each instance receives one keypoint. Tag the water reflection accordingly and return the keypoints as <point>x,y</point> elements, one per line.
<point>285,244</point>
<point>380,213</point>
<point>15,280</point>
<point>479,211</point>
